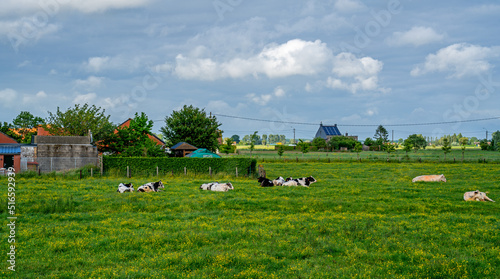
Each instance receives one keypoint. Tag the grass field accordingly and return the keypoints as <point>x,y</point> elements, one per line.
<point>360,220</point>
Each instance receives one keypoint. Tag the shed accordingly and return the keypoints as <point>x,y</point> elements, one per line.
<point>183,148</point>
<point>203,153</point>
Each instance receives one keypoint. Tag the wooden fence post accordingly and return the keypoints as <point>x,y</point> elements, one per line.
<point>156,171</point>
<point>210,170</point>
<point>128,172</point>
<point>185,171</point>
<point>91,172</point>
<point>236,171</point>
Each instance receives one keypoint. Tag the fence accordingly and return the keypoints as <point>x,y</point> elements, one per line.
<point>50,164</point>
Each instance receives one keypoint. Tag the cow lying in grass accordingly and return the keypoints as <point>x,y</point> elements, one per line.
<point>151,187</point>
<point>430,178</point>
<point>265,182</point>
<point>217,187</point>
<point>122,188</point>
<point>303,181</point>
<point>476,196</point>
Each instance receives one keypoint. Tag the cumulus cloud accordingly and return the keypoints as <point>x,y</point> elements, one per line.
<point>355,74</point>
<point>34,99</point>
<point>264,99</point>
<point>91,83</point>
<point>416,36</point>
<point>85,98</point>
<point>25,30</point>
<point>7,96</point>
<point>116,63</point>
<point>295,57</point>
<point>458,60</point>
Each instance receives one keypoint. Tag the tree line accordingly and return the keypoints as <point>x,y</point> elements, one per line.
<point>189,124</point>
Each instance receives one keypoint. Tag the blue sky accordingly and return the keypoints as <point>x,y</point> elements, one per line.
<point>345,62</point>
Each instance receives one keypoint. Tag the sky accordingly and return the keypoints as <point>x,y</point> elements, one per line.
<point>276,67</point>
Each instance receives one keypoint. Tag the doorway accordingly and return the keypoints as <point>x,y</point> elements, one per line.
<point>8,161</point>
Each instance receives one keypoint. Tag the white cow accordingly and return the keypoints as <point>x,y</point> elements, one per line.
<point>122,188</point>
<point>430,178</point>
<point>217,187</point>
<point>476,196</point>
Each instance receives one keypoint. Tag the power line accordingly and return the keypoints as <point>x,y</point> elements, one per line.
<point>362,125</point>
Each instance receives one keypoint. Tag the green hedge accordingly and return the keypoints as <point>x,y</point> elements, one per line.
<point>141,165</point>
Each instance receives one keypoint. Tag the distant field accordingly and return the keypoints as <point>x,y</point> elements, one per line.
<point>360,220</point>
<point>429,155</point>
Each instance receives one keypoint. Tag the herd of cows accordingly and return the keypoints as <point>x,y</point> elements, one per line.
<point>280,181</point>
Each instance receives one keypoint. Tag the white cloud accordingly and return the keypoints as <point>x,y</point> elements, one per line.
<point>7,96</point>
<point>116,63</point>
<point>355,74</point>
<point>296,57</point>
<point>91,83</point>
<point>85,98</point>
<point>34,99</point>
<point>459,60</point>
<point>26,30</point>
<point>264,99</point>
<point>348,6</point>
<point>416,36</point>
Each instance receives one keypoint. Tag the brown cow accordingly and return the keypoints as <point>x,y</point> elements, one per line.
<point>430,178</point>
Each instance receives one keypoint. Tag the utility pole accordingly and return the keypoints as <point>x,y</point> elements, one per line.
<point>294,136</point>
<point>486,135</point>
<point>392,135</point>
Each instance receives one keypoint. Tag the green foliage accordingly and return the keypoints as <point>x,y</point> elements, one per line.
<point>192,125</point>
<point>335,143</point>
<point>304,146</point>
<point>78,121</point>
<point>253,140</point>
<point>133,141</point>
<point>484,144</point>
<point>25,122</point>
<point>246,166</point>
<point>319,143</point>
<point>6,128</point>
<point>417,142</point>
<point>228,146</point>
<point>446,147</point>
<point>381,135</point>
<point>281,150</point>
<point>235,138</point>
<point>407,146</point>
<point>369,142</point>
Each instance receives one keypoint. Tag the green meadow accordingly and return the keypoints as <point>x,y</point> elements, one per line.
<point>359,220</point>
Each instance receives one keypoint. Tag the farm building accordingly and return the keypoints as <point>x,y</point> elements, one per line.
<point>327,132</point>
<point>16,155</point>
<point>153,137</point>
<point>182,149</point>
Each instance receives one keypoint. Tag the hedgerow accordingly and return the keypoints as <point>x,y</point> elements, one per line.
<point>141,165</point>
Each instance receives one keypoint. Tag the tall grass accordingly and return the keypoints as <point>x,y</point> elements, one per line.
<point>360,220</point>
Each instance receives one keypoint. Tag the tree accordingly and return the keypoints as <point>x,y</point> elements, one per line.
<point>446,147</point>
<point>417,141</point>
<point>407,146</point>
<point>264,140</point>
<point>304,146</point>
<point>319,143</point>
<point>6,128</point>
<point>484,144</point>
<point>227,147</point>
<point>25,122</point>
<point>281,150</point>
<point>495,137</point>
<point>253,139</point>
<point>389,148</point>
<point>236,138</point>
<point>133,141</point>
<point>381,134</point>
<point>463,142</point>
<point>78,121</point>
<point>192,125</point>
<point>358,148</point>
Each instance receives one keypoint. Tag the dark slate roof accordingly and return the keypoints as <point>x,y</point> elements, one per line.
<point>331,130</point>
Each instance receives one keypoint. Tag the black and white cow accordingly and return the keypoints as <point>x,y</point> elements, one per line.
<point>279,181</point>
<point>122,188</point>
<point>264,182</point>
<point>151,187</point>
<point>217,187</point>
<point>303,181</point>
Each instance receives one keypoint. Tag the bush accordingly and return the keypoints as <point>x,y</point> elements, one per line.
<point>141,165</point>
